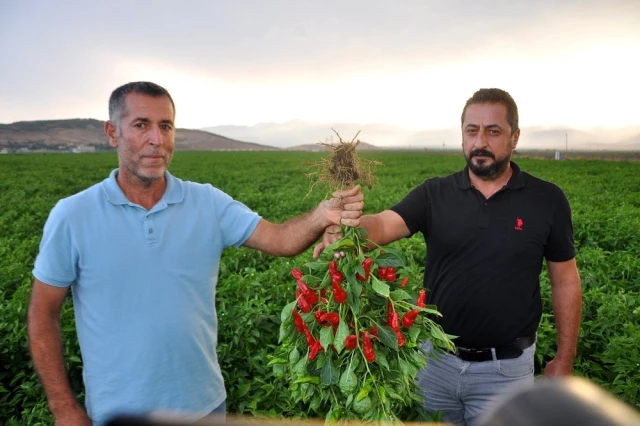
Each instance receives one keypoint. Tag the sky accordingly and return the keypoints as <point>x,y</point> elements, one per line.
<point>407,63</point>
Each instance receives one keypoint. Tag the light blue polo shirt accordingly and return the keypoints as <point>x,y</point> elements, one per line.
<point>143,285</point>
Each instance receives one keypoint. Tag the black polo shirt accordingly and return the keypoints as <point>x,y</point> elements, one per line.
<point>484,256</point>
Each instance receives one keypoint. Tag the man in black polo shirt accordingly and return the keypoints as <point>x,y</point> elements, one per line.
<point>488,229</point>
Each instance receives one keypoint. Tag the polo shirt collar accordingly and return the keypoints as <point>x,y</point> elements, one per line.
<point>173,193</point>
<point>515,181</point>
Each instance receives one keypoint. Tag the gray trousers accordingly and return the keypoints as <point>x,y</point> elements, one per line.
<point>462,390</point>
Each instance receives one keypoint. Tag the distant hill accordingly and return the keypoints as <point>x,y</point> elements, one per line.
<point>88,135</point>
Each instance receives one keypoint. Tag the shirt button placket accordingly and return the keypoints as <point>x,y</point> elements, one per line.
<point>483,219</point>
<point>151,233</point>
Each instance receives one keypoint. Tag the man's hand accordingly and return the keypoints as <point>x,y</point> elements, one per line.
<point>74,416</point>
<point>558,367</point>
<point>345,207</point>
<point>330,236</point>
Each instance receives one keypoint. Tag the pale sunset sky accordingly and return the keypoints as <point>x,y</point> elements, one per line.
<point>408,63</point>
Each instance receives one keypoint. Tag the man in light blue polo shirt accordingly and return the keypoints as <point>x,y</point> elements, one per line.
<point>141,252</point>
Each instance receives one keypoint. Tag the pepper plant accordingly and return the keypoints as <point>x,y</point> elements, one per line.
<point>351,340</point>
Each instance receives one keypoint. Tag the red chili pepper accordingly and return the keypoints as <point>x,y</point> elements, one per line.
<point>314,350</point>
<point>404,282</point>
<point>401,339</point>
<point>374,331</point>
<point>391,274</point>
<point>333,266</point>
<point>366,265</point>
<point>389,313</point>
<point>303,303</point>
<point>299,322</point>
<point>382,273</point>
<point>331,317</point>
<point>339,295</point>
<point>369,353</point>
<point>310,339</point>
<point>421,298</point>
<point>409,318</point>
<point>297,273</point>
<point>318,315</point>
<point>337,277</point>
<point>309,294</point>
<point>351,342</point>
<point>395,322</point>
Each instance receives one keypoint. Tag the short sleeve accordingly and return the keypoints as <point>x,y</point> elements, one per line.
<point>236,221</point>
<point>413,209</point>
<point>560,245</point>
<point>56,262</point>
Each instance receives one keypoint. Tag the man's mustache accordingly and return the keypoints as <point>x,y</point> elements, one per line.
<point>481,153</point>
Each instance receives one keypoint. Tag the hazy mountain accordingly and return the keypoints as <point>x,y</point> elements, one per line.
<point>88,134</point>
<point>299,132</point>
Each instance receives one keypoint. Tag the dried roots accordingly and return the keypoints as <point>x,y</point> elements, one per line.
<point>344,168</point>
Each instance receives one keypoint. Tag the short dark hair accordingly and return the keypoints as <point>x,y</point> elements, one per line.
<point>495,96</point>
<point>117,99</point>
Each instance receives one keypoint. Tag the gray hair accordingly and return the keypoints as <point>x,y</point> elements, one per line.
<point>117,104</point>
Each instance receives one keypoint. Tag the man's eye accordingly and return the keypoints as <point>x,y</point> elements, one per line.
<point>165,127</point>
<point>139,125</point>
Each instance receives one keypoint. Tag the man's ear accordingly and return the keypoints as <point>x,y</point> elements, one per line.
<point>111,131</point>
<point>516,137</point>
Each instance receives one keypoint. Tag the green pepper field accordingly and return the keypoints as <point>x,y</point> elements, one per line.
<point>253,288</point>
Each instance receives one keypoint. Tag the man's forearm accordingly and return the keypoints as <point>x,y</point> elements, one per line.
<point>45,342</point>
<point>300,232</point>
<point>567,308</point>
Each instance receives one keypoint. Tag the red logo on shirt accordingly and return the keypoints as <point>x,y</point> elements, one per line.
<point>519,224</point>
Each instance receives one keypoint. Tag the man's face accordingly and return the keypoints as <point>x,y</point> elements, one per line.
<point>487,141</point>
<point>146,139</point>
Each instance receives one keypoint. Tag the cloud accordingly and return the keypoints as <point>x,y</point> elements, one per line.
<point>249,61</point>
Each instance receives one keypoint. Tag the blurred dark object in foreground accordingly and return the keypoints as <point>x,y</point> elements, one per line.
<point>561,402</point>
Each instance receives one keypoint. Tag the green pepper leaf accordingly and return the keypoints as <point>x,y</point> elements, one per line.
<point>388,337</point>
<point>341,334</point>
<point>311,280</point>
<point>286,311</point>
<point>379,287</point>
<point>399,295</point>
<point>326,337</point>
<point>391,257</point>
<point>330,375</point>
<point>318,265</point>
<point>286,330</point>
<point>382,360</point>
<point>353,293</point>
<point>294,357</point>
<point>340,244</point>
<point>348,382</point>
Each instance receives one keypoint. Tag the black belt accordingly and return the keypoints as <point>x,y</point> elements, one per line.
<point>509,351</point>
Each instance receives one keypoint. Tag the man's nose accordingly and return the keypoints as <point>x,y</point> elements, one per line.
<point>481,140</point>
<point>155,136</point>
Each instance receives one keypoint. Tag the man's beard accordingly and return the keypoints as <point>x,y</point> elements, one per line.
<point>487,171</point>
